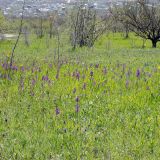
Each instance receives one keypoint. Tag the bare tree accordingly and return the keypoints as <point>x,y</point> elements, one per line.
<point>55,20</point>
<point>126,29</point>
<point>19,34</point>
<point>51,21</point>
<point>39,27</point>
<point>26,35</point>
<point>143,19</point>
<point>86,28</point>
<point>57,57</point>
<point>119,24</point>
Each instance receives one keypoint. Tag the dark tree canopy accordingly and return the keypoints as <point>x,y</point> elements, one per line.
<point>143,19</point>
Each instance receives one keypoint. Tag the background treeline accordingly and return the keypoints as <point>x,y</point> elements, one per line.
<point>84,25</point>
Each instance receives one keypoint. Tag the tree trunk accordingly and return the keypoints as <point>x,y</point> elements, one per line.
<point>154,43</point>
<point>126,31</point>
<point>127,35</point>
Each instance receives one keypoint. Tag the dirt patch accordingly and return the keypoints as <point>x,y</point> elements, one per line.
<point>7,36</point>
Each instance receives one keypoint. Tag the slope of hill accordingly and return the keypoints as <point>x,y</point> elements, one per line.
<point>5,3</point>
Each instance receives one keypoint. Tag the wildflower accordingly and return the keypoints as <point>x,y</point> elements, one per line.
<point>127,84</point>
<point>91,73</point>
<point>77,99</point>
<point>84,86</point>
<point>74,90</point>
<point>138,73</point>
<point>97,66</point>
<point>104,70</point>
<point>22,68</point>
<point>78,75</point>
<point>5,66</point>
<point>77,108</point>
<point>14,68</point>
<point>33,82</point>
<point>57,111</point>
<point>45,78</point>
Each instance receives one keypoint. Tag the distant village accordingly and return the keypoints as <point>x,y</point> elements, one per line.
<point>44,7</point>
<point>35,8</point>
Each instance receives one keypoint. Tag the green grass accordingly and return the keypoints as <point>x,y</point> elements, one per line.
<point>118,114</point>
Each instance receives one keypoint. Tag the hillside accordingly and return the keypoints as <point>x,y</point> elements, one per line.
<point>5,3</point>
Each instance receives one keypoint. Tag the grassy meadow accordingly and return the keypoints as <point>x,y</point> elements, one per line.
<point>104,105</point>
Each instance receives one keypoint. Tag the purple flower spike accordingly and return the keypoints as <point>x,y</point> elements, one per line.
<point>77,108</point>
<point>97,66</point>
<point>74,90</point>
<point>22,68</point>
<point>84,86</point>
<point>14,68</point>
<point>57,111</point>
<point>5,66</point>
<point>45,78</point>
<point>33,82</point>
<point>78,75</point>
<point>105,70</point>
<point>91,73</point>
<point>138,73</point>
<point>77,99</point>
<point>127,84</point>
